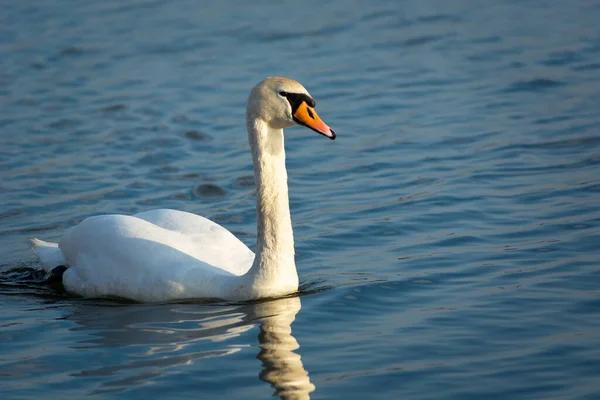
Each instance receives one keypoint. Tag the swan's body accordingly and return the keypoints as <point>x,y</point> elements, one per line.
<point>167,254</point>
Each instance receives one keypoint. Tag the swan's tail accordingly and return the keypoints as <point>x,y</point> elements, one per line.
<point>49,254</point>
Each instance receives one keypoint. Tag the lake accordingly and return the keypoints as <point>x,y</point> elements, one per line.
<point>447,243</point>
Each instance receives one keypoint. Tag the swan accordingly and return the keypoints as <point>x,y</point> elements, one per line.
<point>164,254</point>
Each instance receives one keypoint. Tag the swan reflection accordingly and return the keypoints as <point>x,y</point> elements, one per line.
<point>153,341</point>
<point>282,367</point>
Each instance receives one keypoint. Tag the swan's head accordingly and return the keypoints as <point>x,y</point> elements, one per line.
<point>283,102</point>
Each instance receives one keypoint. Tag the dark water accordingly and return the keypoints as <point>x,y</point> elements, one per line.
<point>448,241</point>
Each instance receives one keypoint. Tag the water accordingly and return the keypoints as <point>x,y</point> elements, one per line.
<point>447,242</point>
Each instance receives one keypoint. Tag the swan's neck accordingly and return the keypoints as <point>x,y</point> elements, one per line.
<point>274,265</point>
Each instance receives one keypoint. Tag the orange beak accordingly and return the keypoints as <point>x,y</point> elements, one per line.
<point>307,116</point>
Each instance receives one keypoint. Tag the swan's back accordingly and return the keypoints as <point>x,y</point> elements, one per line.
<point>212,243</point>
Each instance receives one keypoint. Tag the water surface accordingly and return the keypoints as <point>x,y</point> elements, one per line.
<point>447,242</point>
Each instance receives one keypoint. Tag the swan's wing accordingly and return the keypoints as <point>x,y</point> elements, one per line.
<point>130,257</point>
<point>213,243</point>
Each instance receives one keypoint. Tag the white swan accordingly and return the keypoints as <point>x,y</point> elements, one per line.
<point>167,254</point>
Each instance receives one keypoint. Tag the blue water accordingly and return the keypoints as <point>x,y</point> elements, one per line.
<point>448,242</point>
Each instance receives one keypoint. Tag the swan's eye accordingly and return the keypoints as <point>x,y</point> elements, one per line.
<point>283,94</point>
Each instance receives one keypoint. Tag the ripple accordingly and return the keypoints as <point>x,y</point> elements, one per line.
<point>422,40</point>
<point>244,182</point>
<point>71,51</point>
<point>114,108</point>
<point>533,85</point>
<point>63,123</point>
<point>587,67</point>
<point>209,190</point>
<point>196,135</point>
<point>562,58</point>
